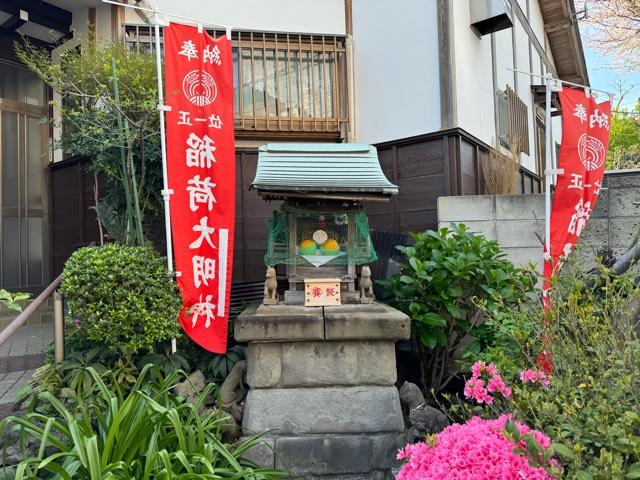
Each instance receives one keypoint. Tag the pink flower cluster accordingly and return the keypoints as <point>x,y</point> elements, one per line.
<point>476,450</point>
<point>534,376</point>
<point>485,381</point>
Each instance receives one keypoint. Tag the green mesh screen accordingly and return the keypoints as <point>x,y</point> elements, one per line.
<point>296,237</point>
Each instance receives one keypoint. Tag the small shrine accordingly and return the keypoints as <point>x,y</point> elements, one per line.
<point>321,365</point>
<point>321,231</point>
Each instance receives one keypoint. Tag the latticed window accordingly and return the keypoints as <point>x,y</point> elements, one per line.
<point>513,121</point>
<point>283,82</point>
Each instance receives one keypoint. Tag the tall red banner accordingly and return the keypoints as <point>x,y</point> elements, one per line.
<point>201,173</point>
<point>583,154</point>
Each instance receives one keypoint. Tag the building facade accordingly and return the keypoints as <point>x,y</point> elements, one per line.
<point>429,82</point>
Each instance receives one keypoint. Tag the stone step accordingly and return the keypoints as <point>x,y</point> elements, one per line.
<point>10,384</point>
<point>25,349</point>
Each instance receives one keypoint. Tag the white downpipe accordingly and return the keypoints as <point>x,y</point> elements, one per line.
<point>351,91</point>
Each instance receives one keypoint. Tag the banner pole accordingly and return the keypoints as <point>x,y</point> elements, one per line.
<point>166,192</point>
<point>548,170</point>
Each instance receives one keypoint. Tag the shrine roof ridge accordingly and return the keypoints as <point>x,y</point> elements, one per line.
<point>319,169</point>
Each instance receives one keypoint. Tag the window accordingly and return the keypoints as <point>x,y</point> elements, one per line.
<point>282,82</point>
<point>513,123</point>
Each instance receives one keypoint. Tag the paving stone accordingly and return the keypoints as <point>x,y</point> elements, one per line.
<point>324,455</point>
<point>327,363</point>
<point>368,322</point>
<point>15,364</point>
<point>323,410</point>
<point>10,384</point>
<point>279,322</point>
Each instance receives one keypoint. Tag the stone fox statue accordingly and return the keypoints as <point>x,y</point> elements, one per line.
<point>366,285</point>
<point>270,287</point>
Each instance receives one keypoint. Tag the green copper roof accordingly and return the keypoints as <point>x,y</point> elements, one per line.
<point>325,168</point>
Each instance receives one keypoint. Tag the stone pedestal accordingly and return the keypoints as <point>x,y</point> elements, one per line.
<point>322,388</point>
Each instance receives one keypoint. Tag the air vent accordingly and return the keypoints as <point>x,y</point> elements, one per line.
<point>488,16</point>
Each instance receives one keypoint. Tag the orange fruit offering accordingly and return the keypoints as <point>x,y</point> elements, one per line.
<point>331,245</point>
<point>307,244</point>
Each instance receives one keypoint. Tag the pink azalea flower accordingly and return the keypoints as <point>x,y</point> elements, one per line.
<point>534,376</point>
<point>475,387</point>
<point>476,450</point>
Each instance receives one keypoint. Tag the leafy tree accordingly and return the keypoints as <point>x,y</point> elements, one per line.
<point>109,112</point>
<point>624,143</point>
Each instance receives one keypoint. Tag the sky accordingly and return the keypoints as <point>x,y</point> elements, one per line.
<point>604,76</point>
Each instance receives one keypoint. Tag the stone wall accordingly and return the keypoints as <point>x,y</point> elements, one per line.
<point>516,222</point>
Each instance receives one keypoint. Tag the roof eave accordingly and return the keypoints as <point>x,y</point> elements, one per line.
<point>562,31</point>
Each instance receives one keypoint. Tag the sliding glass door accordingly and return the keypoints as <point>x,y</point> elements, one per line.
<point>23,162</point>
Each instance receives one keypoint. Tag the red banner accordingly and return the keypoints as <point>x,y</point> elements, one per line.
<point>583,154</point>
<point>201,173</point>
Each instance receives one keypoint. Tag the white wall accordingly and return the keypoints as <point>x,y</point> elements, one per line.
<point>474,82</point>
<point>308,16</point>
<point>397,80</point>
<point>474,76</point>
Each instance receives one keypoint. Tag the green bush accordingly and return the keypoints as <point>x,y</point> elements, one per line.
<point>451,278</point>
<point>148,433</point>
<point>121,296</point>
<point>590,409</point>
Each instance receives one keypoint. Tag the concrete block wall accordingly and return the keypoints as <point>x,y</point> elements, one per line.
<point>516,222</point>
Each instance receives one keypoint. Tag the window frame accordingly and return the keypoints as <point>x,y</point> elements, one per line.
<point>333,125</point>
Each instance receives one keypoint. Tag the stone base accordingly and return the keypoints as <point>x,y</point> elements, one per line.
<point>320,363</point>
<point>323,410</point>
<point>341,456</point>
<point>322,389</point>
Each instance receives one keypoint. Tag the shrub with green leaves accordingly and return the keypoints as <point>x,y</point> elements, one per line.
<point>591,406</point>
<point>147,434</point>
<point>450,279</point>
<point>121,296</point>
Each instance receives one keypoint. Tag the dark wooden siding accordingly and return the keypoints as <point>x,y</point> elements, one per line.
<point>429,166</point>
<point>252,213</point>
<point>73,222</point>
<point>424,167</point>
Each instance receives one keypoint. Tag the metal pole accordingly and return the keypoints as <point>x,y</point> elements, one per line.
<point>166,192</point>
<point>557,80</point>
<point>58,327</point>
<point>548,170</point>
